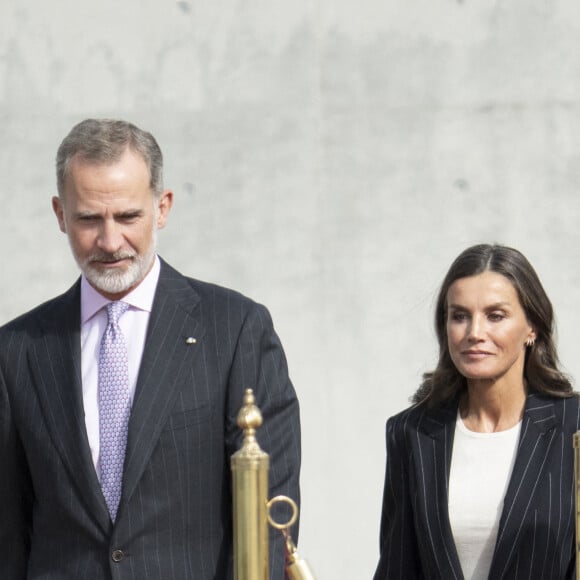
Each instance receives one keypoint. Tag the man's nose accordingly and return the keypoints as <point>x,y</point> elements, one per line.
<point>110,237</point>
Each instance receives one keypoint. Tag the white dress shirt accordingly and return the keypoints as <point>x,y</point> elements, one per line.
<point>93,324</point>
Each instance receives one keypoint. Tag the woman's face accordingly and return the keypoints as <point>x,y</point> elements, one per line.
<point>487,329</point>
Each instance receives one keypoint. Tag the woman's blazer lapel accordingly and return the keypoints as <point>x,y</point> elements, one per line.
<point>538,435</point>
<point>434,442</point>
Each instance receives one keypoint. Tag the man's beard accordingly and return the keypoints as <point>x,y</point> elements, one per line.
<point>116,281</point>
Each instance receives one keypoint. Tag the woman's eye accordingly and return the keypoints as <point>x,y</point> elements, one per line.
<point>496,316</point>
<point>458,316</point>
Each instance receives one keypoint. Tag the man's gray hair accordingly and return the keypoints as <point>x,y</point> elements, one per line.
<point>104,141</point>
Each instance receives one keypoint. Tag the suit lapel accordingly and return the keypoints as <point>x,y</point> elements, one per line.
<point>54,363</point>
<point>174,319</point>
<point>435,441</point>
<point>536,439</point>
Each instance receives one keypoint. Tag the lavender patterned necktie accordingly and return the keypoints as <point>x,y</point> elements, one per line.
<point>114,406</point>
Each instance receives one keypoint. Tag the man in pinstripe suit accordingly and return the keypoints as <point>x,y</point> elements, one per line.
<point>193,348</point>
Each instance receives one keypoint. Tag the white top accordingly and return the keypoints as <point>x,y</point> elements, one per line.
<point>481,466</point>
<point>93,323</point>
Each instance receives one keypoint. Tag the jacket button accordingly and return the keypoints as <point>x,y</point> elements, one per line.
<point>117,555</point>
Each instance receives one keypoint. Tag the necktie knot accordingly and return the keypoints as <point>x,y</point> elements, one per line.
<point>115,310</point>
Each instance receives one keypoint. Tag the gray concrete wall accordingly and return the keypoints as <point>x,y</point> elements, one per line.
<point>329,158</point>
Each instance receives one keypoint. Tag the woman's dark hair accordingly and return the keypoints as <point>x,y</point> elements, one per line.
<point>541,364</point>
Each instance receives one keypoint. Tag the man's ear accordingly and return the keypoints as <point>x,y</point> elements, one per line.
<point>58,209</point>
<point>164,203</point>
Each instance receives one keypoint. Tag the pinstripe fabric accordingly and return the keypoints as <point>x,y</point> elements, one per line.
<point>536,529</point>
<point>174,518</point>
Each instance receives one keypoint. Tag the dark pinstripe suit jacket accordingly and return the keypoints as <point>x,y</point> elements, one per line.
<point>174,519</point>
<point>536,530</point>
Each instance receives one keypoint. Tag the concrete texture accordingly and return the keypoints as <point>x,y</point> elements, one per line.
<point>329,158</point>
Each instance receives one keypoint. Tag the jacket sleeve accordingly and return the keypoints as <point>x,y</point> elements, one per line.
<point>15,496</point>
<point>399,553</point>
<point>260,364</point>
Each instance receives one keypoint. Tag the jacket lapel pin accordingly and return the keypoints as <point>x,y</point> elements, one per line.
<point>190,340</point>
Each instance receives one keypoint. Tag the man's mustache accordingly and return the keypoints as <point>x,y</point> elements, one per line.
<point>115,257</point>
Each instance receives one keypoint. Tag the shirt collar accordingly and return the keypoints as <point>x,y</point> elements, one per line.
<point>141,297</point>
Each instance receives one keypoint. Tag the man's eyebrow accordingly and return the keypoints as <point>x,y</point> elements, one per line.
<point>128,213</point>
<point>86,214</point>
<point>120,214</point>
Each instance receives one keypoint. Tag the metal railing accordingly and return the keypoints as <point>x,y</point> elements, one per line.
<point>252,510</point>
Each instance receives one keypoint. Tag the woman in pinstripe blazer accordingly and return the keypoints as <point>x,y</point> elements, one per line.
<point>479,480</point>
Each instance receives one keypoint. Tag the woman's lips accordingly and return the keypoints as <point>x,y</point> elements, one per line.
<point>476,354</point>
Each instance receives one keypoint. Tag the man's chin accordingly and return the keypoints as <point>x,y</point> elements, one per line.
<point>107,272</point>
<point>117,279</point>
<point>111,280</point>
